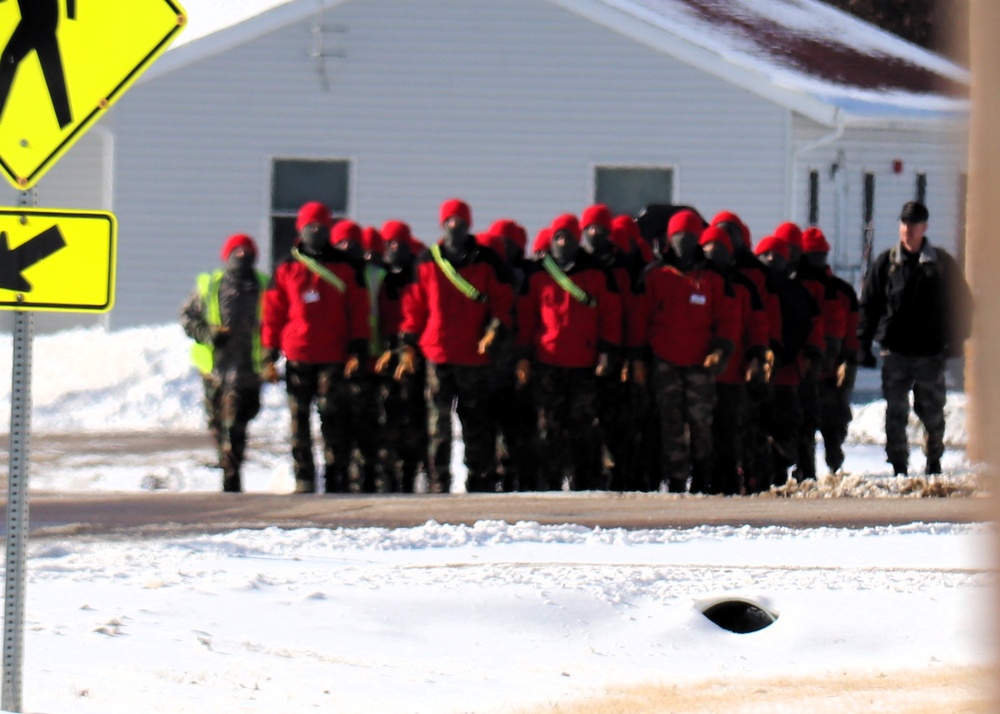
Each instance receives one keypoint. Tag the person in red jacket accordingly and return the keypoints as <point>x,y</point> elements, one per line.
<point>729,421</point>
<point>690,327</point>
<point>315,313</point>
<point>836,382</point>
<point>755,461</point>
<point>569,330</point>
<point>459,304</point>
<point>404,435</point>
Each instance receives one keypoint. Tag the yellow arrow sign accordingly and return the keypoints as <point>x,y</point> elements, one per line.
<point>63,63</point>
<point>57,260</point>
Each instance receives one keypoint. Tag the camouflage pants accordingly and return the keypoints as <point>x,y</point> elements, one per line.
<point>323,385</point>
<point>784,425</point>
<point>758,469</point>
<point>728,427</point>
<point>685,399</point>
<point>466,390</point>
<point>569,438</point>
<point>363,413</point>
<point>805,463</point>
<point>835,416</point>
<point>925,377</point>
<point>513,424</point>
<point>618,424</point>
<point>404,434</point>
<point>229,411</point>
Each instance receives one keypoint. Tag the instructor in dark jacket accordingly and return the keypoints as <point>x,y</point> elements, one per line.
<point>916,304</point>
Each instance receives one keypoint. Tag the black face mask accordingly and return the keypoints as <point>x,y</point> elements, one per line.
<point>685,248</point>
<point>456,235</point>
<point>794,254</point>
<point>396,256</point>
<point>596,241</point>
<point>240,261</point>
<point>314,238</point>
<point>353,249</point>
<point>717,254</point>
<point>565,250</point>
<point>815,260</point>
<point>775,262</point>
<point>735,234</point>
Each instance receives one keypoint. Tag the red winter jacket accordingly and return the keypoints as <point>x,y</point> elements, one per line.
<point>559,330</point>
<point>445,323</point>
<point>309,319</point>
<point>683,317</point>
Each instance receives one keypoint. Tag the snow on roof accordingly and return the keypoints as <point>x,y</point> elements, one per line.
<point>804,54</point>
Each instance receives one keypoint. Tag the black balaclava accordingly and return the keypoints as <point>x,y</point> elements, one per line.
<point>775,261</point>
<point>354,250</point>
<point>735,234</point>
<point>685,248</point>
<point>457,239</point>
<point>817,261</point>
<point>241,261</point>
<point>564,248</point>
<point>718,254</point>
<point>597,240</point>
<point>794,255</point>
<point>396,255</point>
<point>314,238</point>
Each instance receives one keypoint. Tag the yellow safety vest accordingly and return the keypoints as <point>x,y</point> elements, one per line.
<point>203,356</point>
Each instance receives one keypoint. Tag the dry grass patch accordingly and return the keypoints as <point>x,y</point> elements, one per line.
<point>955,690</point>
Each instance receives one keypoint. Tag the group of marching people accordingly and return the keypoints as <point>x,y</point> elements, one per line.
<point>691,360</point>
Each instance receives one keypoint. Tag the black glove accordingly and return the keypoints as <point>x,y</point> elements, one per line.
<point>220,336</point>
<point>867,358</point>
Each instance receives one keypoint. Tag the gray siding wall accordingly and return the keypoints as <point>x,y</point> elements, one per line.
<point>509,105</point>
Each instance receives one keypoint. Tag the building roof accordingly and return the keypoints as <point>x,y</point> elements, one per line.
<point>802,54</point>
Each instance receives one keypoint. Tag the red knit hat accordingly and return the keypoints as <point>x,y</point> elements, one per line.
<point>813,241</point>
<point>790,233</point>
<point>239,240</point>
<point>454,208</point>
<point>714,234</point>
<point>494,241</point>
<point>772,243</point>
<point>396,231</point>
<point>345,231</point>
<point>511,231</point>
<point>685,222</point>
<point>566,222</point>
<point>598,214</point>
<point>542,241</point>
<point>371,240</point>
<point>624,233</point>
<point>313,212</point>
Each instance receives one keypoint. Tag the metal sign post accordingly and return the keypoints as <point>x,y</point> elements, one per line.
<point>17,500</point>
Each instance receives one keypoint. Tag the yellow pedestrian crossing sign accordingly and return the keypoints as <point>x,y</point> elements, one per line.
<point>57,260</point>
<point>63,64</point>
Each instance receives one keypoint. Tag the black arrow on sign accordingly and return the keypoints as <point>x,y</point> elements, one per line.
<point>35,250</point>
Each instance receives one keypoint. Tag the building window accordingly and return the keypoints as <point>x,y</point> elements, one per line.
<point>814,198</point>
<point>922,188</point>
<point>627,190</point>
<point>297,181</point>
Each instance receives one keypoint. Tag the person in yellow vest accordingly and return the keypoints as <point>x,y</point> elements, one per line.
<point>222,315</point>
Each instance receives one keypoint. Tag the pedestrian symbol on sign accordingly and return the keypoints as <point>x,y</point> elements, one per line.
<point>37,31</point>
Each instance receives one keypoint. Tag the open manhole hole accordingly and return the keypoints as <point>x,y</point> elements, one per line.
<point>738,615</point>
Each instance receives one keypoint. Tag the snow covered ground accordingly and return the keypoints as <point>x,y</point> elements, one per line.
<point>496,617</point>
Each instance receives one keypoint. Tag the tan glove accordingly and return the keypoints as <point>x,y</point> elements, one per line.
<point>522,372</point>
<point>603,365</point>
<point>352,366</point>
<point>841,374</point>
<point>488,339</point>
<point>624,374</point>
<point>269,373</point>
<point>407,363</point>
<point>382,363</point>
<point>713,362</point>
<point>639,373</point>
<point>768,367</point>
<point>753,369</point>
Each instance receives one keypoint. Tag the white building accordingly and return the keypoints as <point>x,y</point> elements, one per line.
<point>775,109</point>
